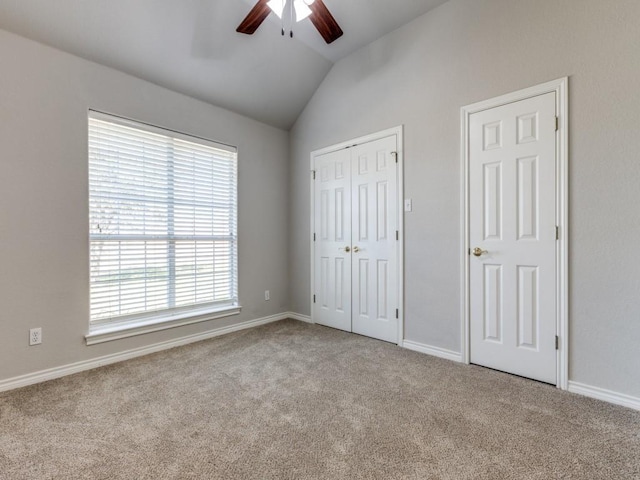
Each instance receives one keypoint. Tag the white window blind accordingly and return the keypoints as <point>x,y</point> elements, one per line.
<point>163,216</point>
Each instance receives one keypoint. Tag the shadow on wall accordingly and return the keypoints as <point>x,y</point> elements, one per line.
<point>376,56</point>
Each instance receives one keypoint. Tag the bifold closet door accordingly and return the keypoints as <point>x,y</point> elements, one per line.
<point>356,239</point>
<point>374,253</point>
<point>332,227</point>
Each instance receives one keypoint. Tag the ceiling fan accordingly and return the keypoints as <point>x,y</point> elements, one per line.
<point>316,10</point>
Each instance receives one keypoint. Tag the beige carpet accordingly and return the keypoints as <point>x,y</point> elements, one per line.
<point>296,401</point>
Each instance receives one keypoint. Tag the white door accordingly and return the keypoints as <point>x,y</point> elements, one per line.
<point>512,234</point>
<point>356,248</point>
<point>332,227</point>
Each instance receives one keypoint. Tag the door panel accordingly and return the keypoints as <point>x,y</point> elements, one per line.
<point>375,249</point>
<point>493,303</point>
<point>512,175</point>
<point>333,236</point>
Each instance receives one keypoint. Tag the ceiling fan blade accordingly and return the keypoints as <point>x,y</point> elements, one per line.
<point>324,22</point>
<point>254,19</point>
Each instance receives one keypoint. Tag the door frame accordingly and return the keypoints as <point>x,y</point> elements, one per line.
<point>399,133</point>
<point>561,88</point>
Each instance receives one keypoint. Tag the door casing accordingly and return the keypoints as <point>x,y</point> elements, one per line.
<point>398,132</point>
<point>561,88</point>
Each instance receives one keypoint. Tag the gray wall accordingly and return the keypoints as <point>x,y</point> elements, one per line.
<point>470,50</point>
<point>44,264</point>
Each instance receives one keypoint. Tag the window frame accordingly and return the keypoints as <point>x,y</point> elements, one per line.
<point>102,330</point>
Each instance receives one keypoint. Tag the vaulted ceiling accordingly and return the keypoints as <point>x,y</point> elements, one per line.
<point>191,46</point>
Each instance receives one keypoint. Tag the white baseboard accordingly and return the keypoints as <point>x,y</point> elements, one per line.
<point>300,317</point>
<point>57,372</point>
<point>62,371</point>
<point>605,395</point>
<point>434,351</point>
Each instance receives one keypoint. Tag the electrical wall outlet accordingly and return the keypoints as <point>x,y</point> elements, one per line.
<point>267,295</point>
<point>35,336</point>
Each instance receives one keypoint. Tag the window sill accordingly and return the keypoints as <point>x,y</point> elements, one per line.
<point>107,333</point>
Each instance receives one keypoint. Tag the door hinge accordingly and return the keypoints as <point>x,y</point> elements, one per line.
<point>557,232</point>
<point>397,234</point>
<point>314,174</point>
<point>397,313</point>
<point>395,154</point>
<point>314,237</point>
<point>314,299</point>
<point>557,123</point>
<point>557,342</point>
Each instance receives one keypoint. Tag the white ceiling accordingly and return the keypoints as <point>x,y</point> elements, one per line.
<point>191,46</point>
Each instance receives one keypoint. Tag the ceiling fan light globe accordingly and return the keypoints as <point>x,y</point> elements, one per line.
<point>302,10</point>
<point>277,6</point>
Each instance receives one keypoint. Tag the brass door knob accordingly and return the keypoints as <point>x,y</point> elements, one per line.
<point>478,251</point>
<point>356,249</point>
<point>346,249</point>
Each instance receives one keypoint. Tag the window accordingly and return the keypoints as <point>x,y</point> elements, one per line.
<point>163,210</point>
